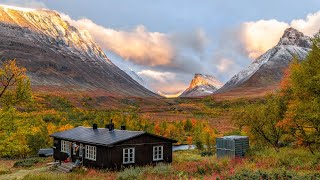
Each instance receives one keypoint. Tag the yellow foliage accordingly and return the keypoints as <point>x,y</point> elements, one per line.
<point>65,127</point>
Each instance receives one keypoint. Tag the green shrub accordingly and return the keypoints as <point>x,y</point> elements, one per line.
<point>45,176</point>
<point>58,103</point>
<point>201,170</point>
<point>161,169</point>
<point>4,171</point>
<point>27,162</point>
<point>187,156</point>
<point>206,153</point>
<point>249,174</point>
<point>131,173</point>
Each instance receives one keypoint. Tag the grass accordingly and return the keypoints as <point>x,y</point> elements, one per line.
<point>28,162</point>
<point>5,166</point>
<point>275,174</point>
<point>290,158</point>
<point>289,163</point>
<point>21,167</point>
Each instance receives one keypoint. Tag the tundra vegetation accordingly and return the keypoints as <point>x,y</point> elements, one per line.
<point>283,127</point>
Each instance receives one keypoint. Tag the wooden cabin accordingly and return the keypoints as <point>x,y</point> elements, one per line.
<point>111,148</point>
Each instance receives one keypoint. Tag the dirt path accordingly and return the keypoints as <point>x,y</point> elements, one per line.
<point>21,173</point>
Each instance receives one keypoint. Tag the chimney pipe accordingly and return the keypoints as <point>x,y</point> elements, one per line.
<point>123,127</point>
<point>111,125</point>
<point>94,126</point>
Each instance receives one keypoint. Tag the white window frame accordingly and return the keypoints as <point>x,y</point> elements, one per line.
<point>128,155</point>
<point>65,146</point>
<point>91,152</point>
<point>157,153</point>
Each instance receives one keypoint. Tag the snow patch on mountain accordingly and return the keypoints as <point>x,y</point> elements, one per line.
<point>57,54</point>
<point>292,43</point>
<point>50,28</point>
<point>202,85</point>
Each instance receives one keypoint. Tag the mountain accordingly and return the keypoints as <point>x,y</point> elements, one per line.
<point>202,85</point>
<point>137,78</point>
<point>267,70</point>
<point>60,56</point>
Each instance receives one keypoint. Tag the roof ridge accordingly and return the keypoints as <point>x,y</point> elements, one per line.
<point>114,129</point>
<point>101,136</point>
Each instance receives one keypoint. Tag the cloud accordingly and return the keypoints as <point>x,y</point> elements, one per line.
<point>164,82</point>
<point>137,45</point>
<point>259,36</point>
<point>174,50</point>
<point>157,75</point>
<point>196,40</point>
<point>25,3</point>
<point>309,26</point>
<point>224,64</point>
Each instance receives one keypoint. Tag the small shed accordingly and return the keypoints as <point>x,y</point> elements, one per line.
<point>232,146</point>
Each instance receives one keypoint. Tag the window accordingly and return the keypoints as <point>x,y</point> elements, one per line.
<point>128,155</point>
<point>81,150</point>
<point>157,153</point>
<point>65,146</point>
<point>91,152</point>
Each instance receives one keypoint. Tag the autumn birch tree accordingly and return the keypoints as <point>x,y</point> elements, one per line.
<point>14,84</point>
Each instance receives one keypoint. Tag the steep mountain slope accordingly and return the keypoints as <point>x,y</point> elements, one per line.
<point>57,55</point>
<point>202,85</point>
<point>137,78</point>
<point>267,70</point>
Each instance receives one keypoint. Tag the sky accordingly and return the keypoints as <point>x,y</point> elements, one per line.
<point>166,42</point>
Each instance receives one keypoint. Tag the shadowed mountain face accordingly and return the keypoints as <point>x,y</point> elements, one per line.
<point>268,69</point>
<point>202,85</point>
<point>59,56</point>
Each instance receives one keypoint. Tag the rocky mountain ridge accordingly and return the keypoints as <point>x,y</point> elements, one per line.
<point>59,55</point>
<point>202,85</point>
<point>268,69</point>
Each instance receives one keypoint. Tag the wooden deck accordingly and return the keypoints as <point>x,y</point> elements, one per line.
<point>66,167</point>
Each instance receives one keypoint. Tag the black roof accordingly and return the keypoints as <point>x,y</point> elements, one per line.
<point>100,136</point>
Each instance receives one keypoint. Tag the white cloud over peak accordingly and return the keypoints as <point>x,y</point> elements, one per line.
<point>157,75</point>
<point>224,64</point>
<point>259,36</point>
<point>137,45</point>
<point>310,25</point>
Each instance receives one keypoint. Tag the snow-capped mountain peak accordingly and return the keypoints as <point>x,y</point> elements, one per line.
<point>202,85</point>
<point>58,55</point>
<point>293,37</point>
<point>203,79</point>
<point>268,68</point>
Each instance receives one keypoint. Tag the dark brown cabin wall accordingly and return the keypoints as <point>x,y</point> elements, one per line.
<point>143,154</point>
<point>57,154</point>
<point>143,151</point>
<point>101,158</point>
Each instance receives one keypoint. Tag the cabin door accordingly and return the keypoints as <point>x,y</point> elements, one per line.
<point>81,152</point>
<point>73,151</point>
